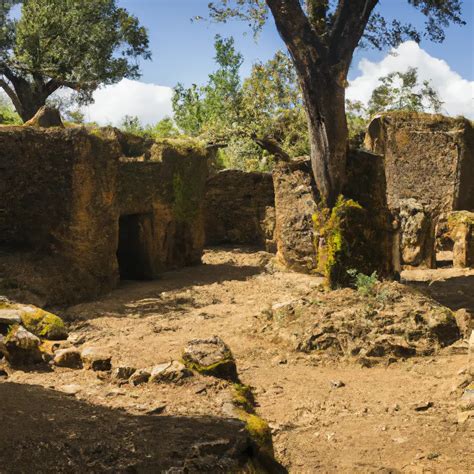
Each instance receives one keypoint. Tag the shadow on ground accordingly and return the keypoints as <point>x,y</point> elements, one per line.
<point>47,431</point>
<point>454,292</point>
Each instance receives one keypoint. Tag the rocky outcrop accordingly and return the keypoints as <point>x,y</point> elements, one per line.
<point>240,209</point>
<point>378,322</point>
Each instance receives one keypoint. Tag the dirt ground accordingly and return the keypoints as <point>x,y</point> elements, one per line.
<point>397,418</point>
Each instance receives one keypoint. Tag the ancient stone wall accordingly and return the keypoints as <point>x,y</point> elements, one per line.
<point>240,209</point>
<point>166,198</point>
<point>429,168</point>
<point>73,208</point>
<point>58,210</point>
<point>429,158</point>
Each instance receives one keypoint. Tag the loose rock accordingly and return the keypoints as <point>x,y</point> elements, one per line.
<point>22,347</point>
<point>139,377</point>
<point>169,372</point>
<point>210,357</point>
<point>96,359</point>
<point>123,373</point>
<point>70,358</point>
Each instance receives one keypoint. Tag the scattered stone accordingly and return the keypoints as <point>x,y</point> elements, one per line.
<point>210,357</point>
<point>3,373</point>
<point>169,372</point>
<point>96,359</point>
<point>70,389</point>
<point>423,406</point>
<point>432,456</point>
<point>337,383</point>
<point>465,322</point>
<point>10,316</point>
<point>123,373</point>
<point>43,324</point>
<point>70,358</point>
<point>157,410</point>
<point>22,347</point>
<point>139,377</point>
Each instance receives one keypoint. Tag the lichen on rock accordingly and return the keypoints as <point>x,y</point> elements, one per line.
<point>43,324</point>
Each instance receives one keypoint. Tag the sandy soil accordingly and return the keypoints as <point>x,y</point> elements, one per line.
<point>402,417</point>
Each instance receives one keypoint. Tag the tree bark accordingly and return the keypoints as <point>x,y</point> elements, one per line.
<point>325,107</point>
<point>322,55</point>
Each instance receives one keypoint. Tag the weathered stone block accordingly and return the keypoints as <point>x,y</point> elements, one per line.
<point>296,201</point>
<point>461,231</point>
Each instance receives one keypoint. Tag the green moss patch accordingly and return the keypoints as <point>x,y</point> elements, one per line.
<point>43,324</point>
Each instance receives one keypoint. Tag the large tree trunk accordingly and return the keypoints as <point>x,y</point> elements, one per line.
<point>324,100</point>
<point>30,101</point>
<point>27,97</point>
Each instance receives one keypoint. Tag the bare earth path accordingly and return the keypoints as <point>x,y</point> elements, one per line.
<point>371,424</point>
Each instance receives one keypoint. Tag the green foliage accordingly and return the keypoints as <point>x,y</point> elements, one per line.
<point>79,44</point>
<point>397,92</point>
<point>324,16</point>
<point>235,113</point>
<point>365,284</point>
<point>402,91</point>
<point>165,128</point>
<point>8,116</point>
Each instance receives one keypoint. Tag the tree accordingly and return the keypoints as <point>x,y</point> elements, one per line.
<point>321,36</point>
<point>397,91</point>
<point>77,44</point>
<point>255,119</point>
<point>402,91</point>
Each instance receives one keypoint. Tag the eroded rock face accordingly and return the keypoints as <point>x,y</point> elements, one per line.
<point>417,244</point>
<point>240,209</point>
<point>461,231</point>
<point>295,205</point>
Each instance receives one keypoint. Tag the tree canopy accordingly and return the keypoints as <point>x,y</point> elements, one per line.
<point>321,37</point>
<point>78,44</point>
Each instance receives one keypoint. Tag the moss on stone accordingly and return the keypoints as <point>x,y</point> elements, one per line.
<point>460,217</point>
<point>43,324</point>
<point>223,369</point>
<point>242,397</point>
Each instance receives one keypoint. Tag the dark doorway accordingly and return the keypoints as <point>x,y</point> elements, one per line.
<point>134,248</point>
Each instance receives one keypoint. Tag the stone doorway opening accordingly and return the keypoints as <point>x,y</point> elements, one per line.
<point>134,253</point>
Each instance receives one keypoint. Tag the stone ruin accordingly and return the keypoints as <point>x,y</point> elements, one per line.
<point>416,173</point>
<point>429,169</point>
<point>83,208</point>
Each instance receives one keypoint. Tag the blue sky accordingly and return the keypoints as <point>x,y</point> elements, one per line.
<point>183,50</point>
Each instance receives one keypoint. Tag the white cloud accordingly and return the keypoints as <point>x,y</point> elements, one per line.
<point>456,93</point>
<point>149,102</point>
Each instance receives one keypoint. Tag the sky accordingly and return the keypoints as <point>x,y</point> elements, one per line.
<point>182,51</point>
